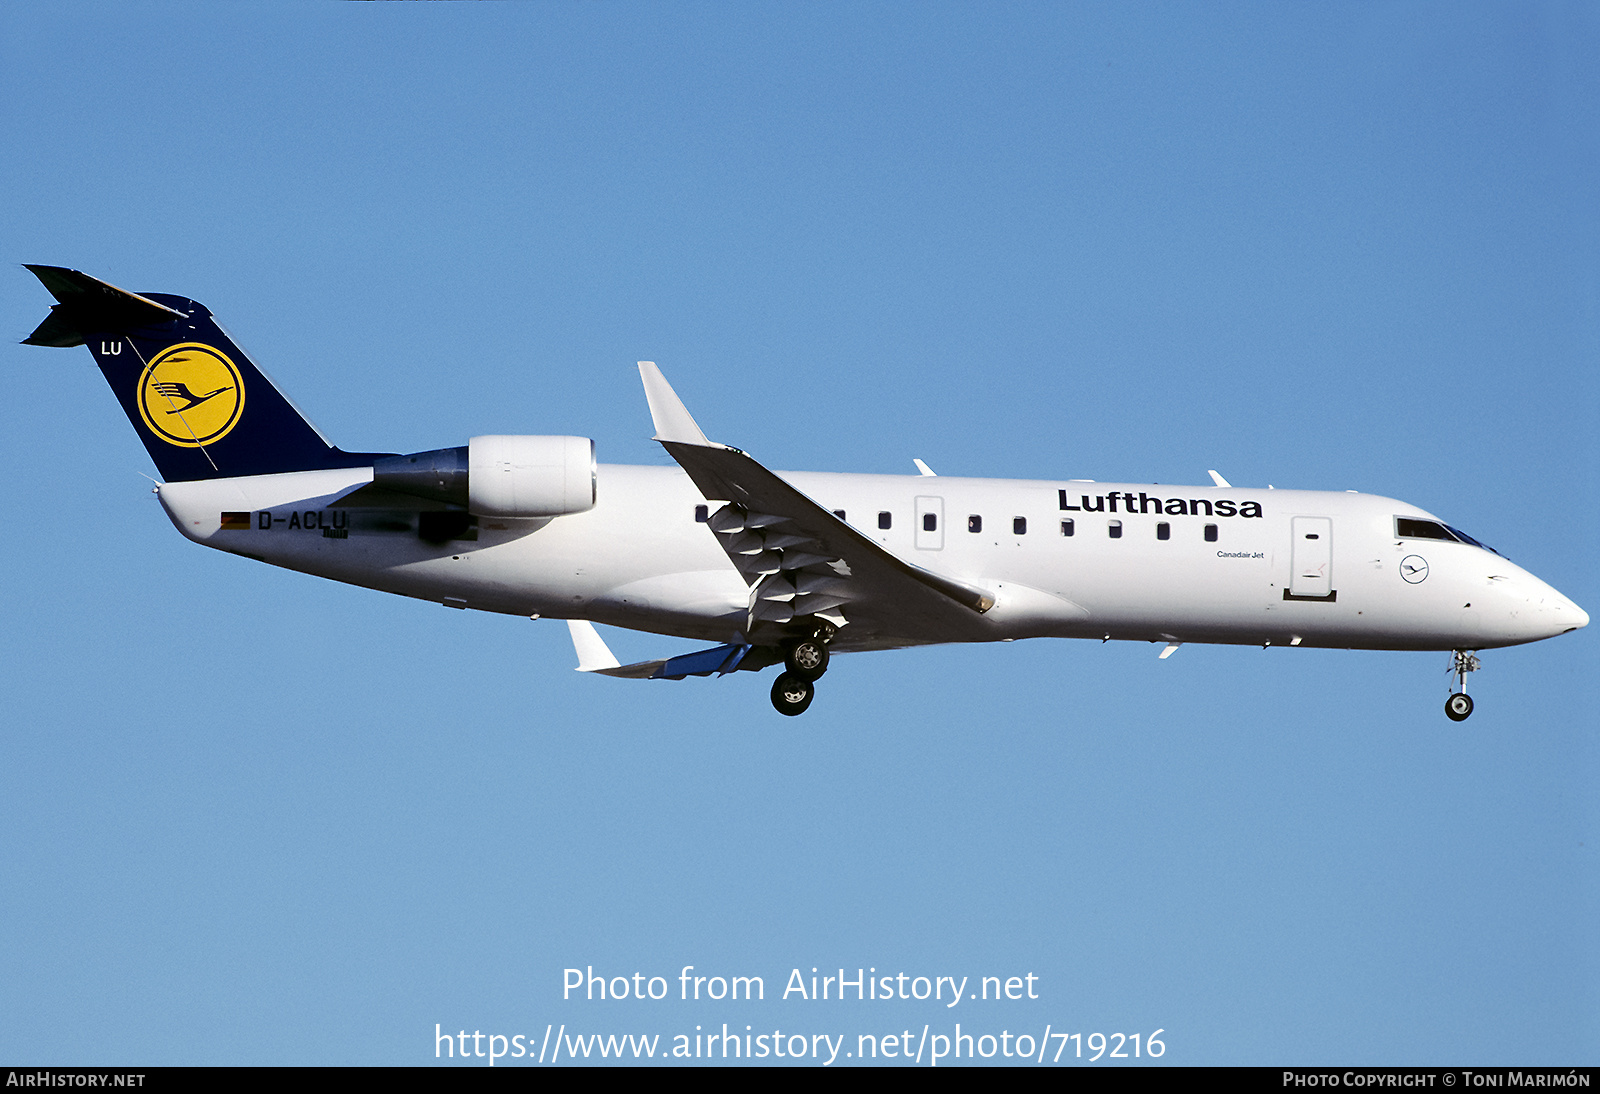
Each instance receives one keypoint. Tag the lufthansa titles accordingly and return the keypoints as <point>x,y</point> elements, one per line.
<point>1172,507</point>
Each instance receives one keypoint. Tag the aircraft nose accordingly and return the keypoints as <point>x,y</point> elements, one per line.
<point>1558,614</point>
<point>1580,616</point>
<point>1533,609</point>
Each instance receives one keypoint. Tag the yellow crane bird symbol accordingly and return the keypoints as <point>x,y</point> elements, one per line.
<point>181,391</point>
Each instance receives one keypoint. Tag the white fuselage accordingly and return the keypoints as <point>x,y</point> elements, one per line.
<point>640,559</point>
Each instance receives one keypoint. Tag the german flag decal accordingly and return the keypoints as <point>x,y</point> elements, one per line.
<point>236,522</point>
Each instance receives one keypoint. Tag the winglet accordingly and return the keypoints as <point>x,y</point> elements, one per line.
<point>1219,480</point>
<point>923,469</point>
<point>672,419</point>
<point>593,653</point>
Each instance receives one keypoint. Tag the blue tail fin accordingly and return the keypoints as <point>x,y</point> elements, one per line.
<point>201,407</point>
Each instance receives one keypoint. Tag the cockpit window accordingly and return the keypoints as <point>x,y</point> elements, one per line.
<point>1464,538</point>
<point>1412,528</point>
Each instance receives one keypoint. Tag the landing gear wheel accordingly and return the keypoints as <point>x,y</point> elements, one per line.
<point>1458,707</point>
<point>791,694</point>
<point>806,658</point>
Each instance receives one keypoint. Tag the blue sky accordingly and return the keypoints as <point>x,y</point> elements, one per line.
<point>247,816</point>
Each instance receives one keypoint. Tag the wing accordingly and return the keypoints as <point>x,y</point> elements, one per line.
<point>802,562</point>
<point>595,656</point>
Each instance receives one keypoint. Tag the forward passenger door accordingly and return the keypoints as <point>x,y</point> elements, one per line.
<point>1311,557</point>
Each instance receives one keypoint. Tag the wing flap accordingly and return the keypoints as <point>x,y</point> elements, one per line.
<point>800,559</point>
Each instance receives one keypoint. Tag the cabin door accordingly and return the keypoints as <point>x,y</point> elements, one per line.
<point>930,524</point>
<point>1312,557</point>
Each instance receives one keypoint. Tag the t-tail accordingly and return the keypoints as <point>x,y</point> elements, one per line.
<point>201,407</point>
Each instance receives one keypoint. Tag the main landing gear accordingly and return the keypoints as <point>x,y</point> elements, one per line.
<point>1459,706</point>
<point>791,695</point>
<point>805,659</point>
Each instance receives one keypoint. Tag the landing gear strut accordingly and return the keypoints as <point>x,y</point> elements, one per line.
<point>805,659</point>
<point>1459,706</point>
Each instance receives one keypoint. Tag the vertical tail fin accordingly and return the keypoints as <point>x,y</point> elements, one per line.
<point>201,407</point>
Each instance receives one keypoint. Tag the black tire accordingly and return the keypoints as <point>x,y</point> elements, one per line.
<point>1458,708</point>
<point>792,694</point>
<point>806,658</point>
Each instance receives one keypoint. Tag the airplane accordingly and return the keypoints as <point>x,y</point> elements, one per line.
<point>779,569</point>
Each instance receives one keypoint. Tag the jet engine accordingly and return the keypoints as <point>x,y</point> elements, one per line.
<point>499,476</point>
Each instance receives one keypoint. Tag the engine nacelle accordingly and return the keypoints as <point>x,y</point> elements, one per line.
<point>511,476</point>
<point>499,476</point>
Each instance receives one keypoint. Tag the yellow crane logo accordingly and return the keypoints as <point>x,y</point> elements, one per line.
<point>191,395</point>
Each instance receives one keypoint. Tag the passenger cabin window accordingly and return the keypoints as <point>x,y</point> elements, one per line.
<point>930,522</point>
<point>1163,530</point>
<point>974,523</point>
<point>1019,526</point>
<point>1211,533</point>
<point>1067,527</point>
<point>701,514</point>
<point>884,520</point>
<point>1114,529</point>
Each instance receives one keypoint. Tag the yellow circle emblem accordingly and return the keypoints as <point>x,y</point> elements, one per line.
<point>191,395</point>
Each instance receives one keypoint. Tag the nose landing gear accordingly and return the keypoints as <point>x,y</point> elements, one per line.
<point>1459,706</point>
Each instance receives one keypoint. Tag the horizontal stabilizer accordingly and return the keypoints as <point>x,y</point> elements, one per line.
<point>88,305</point>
